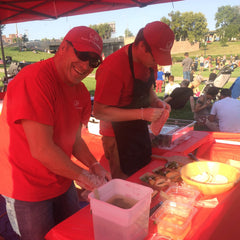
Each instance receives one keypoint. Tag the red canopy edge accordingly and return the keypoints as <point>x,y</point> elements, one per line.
<point>13,11</point>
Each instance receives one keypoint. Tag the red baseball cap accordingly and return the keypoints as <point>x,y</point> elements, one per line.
<point>160,38</point>
<point>85,39</point>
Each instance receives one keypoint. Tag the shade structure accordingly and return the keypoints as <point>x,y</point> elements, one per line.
<point>13,11</point>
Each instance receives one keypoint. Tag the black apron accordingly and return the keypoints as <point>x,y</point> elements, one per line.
<point>132,137</point>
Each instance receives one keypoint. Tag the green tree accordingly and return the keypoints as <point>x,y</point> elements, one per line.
<point>228,21</point>
<point>104,30</point>
<point>194,26</point>
<point>128,33</point>
<point>166,20</point>
<point>24,38</point>
<point>187,26</point>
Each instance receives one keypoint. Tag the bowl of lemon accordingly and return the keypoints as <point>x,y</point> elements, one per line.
<point>210,178</point>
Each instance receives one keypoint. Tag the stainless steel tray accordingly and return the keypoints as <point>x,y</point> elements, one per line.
<point>173,133</point>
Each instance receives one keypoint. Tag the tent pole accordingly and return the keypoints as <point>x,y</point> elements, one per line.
<point>3,56</point>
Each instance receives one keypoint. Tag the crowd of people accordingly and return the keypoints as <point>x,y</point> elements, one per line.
<point>201,63</point>
<point>202,101</point>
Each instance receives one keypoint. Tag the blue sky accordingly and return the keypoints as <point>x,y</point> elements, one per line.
<point>131,18</point>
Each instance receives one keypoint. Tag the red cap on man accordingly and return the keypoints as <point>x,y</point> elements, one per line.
<point>85,39</point>
<point>160,38</point>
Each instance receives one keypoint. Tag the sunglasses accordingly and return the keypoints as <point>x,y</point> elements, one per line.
<point>94,61</point>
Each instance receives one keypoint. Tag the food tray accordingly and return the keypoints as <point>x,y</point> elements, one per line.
<point>186,195</point>
<point>173,133</point>
<point>155,182</point>
<point>174,219</point>
<point>171,170</point>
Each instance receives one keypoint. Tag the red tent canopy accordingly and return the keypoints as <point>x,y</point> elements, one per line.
<point>13,11</point>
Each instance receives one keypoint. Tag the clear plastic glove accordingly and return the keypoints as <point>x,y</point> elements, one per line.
<point>151,114</point>
<point>89,180</point>
<point>99,170</point>
<point>162,104</point>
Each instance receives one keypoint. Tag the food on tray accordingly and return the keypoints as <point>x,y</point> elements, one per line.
<point>173,226</point>
<point>154,181</point>
<point>171,170</point>
<point>174,132</point>
<point>206,177</point>
<point>173,219</point>
<point>157,125</point>
<point>174,176</point>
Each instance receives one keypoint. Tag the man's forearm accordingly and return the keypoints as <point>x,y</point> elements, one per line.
<point>110,113</point>
<point>82,153</point>
<point>167,99</point>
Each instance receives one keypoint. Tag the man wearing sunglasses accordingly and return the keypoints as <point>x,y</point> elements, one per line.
<point>45,106</point>
<point>125,101</point>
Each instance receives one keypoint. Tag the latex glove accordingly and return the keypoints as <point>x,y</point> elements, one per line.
<point>157,125</point>
<point>89,180</point>
<point>151,114</point>
<point>99,170</point>
<point>162,104</point>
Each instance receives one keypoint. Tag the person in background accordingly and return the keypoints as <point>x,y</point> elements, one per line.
<point>192,75</point>
<point>195,85</point>
<point>167,72</point>
<point>203,108</point>
<point>218,62</point>
<point>196,63</point>
<point>180,96</point>
<point>125,100</point>
<point>159,80</point>
<point>209,59</point>
<point>201,62</point>
<point>227,112</point>
<point>235,88</point>
<point>170,86</point>
<point>44,109</point>
<point>187,64</point>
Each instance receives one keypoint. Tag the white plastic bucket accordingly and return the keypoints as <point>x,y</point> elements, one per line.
<point>112,222</point>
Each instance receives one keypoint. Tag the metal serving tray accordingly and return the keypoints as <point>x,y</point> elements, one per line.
<point>173,133</point>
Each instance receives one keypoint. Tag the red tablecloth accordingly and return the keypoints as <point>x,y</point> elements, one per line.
<point>222,147</point>
<point>220,223</point>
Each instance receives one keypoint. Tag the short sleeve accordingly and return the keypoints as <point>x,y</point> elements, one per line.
<point>30,96</point>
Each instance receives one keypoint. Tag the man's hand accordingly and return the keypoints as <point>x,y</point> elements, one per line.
<point>162,104</point>
<point>151,114</point>
<point>89,180</point>
<point>99,170</point>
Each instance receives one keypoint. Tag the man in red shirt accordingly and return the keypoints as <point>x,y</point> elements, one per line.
<point>125,100</point>
<point>43,112</point>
